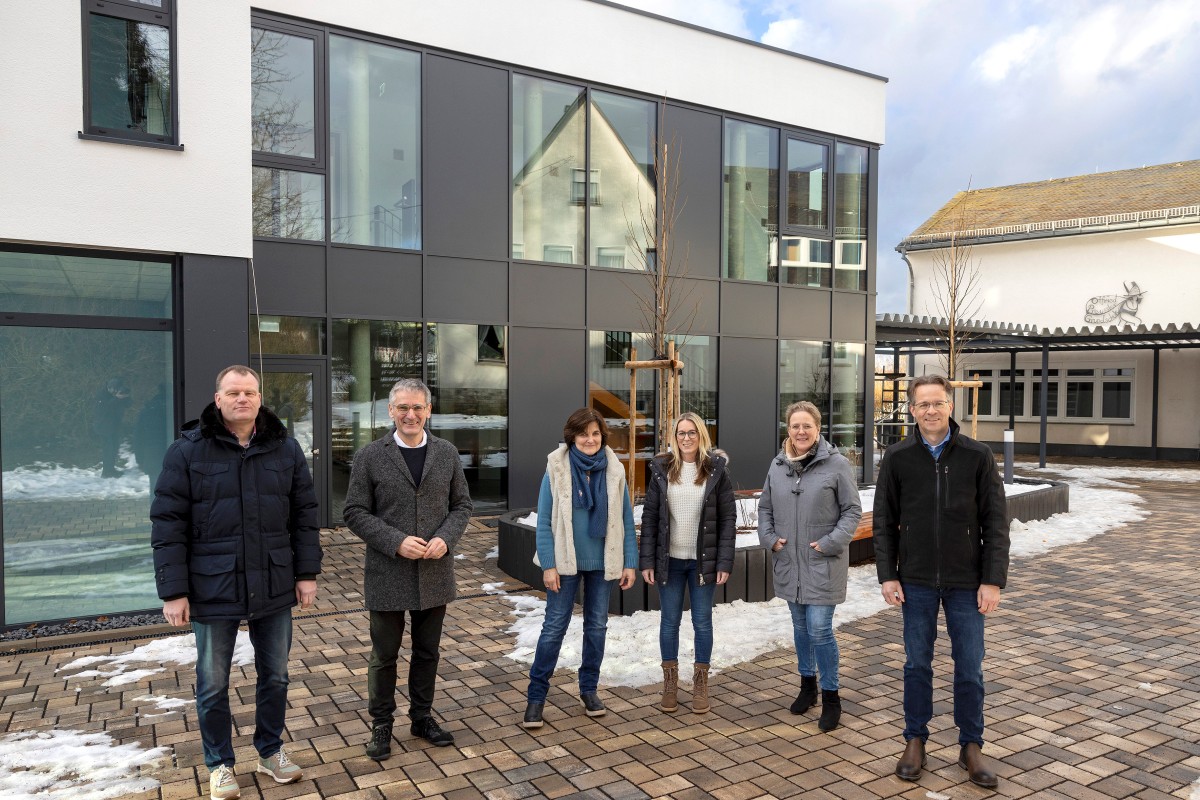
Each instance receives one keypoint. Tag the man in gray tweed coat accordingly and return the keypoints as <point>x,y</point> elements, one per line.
<point>408,501</point>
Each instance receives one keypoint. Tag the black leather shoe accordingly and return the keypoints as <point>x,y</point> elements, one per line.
<point>533,715</point>
<point>970,758</point>
<point>380,746</point>
<point>908,768</point>
<point>428,729</point>
<point>592,705</point>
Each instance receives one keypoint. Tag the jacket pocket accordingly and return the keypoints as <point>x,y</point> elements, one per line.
<point>214,579</point>
<point>206,476</point>
<point>282,576</point>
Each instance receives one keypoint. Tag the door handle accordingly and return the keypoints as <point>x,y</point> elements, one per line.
<point>316,452</point>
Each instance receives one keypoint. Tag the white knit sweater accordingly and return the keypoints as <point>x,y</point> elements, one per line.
<point>685,502</point>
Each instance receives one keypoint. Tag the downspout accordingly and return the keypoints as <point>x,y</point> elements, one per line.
<point>912,280</point>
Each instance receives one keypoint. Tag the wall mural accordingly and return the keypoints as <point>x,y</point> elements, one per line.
<point>1121,308</point>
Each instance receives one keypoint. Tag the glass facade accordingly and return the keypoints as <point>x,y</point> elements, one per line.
<point>129,78</point>
<point>803,375</point>
<point>288,204</point>
<point>548,152</point>
<point>621,188</point>
<point>850,218</point>
<point>847,420</point>
<point>807,184</point>
<point>43,283</point>
<point>749,226</point>
<point>283,93</point>
<point>374,144</point>
<point>292,336</point>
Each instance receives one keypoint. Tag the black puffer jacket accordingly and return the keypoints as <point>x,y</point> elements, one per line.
<point>941,523</point>
<point>718,522</point>
<point>234,528</point>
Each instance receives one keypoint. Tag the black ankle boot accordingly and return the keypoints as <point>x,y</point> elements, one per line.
<point>808,694</point>
<point>831,710</point>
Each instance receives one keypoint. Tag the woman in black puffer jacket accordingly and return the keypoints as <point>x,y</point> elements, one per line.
<point>688,534</point>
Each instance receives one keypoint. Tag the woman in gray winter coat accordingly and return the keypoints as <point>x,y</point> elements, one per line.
<point>807,515</point>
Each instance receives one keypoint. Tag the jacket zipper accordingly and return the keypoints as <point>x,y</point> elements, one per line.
<point>937,522</point>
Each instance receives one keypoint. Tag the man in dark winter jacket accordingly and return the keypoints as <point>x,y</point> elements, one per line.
<point>235,538</point>
<point>941,540</point>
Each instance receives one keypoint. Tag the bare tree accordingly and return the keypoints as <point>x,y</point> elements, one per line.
<point>954,284</point>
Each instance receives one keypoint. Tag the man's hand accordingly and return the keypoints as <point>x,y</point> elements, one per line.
<point>988,597</point>
<point>436,548</point>
<point>893,594</point>
<point>648,576</point>
<point>178,611</point>
<point>779,543</point>
<point>628,576</point>
<point>551,579</point>
<point>413,547</point>
<point>306,593</point>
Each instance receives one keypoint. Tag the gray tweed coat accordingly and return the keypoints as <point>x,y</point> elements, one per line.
<point>383,507</point>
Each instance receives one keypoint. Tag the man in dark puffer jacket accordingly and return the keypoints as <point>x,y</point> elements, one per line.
<point>235,537</point>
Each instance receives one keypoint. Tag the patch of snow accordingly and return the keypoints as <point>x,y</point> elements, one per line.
<point>74,765</point>
<point>1112,476</point>
<point>494,588</point>
<point>937,796</point>
<point>179,650</point>
<point>1145,686</point>
<point>44,481</point>
<point>1195,790</point>
<point>168,704</point>
<point>494,552</point>
<point>459,556</point>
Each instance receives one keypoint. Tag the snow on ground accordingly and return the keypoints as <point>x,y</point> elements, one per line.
<point>73,765</point>
<point>493,553</point>
<point>121,669</point>
<point>743,631</point>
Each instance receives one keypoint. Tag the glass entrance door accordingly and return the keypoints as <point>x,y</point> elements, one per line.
<point>296,389</point>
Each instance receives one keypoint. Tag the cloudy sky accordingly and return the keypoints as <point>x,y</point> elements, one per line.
<point>991,93</point>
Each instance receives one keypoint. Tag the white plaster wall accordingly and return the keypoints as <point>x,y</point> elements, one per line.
<point>1047,282</point>
<point>615,46</point>
<point>60,189</point>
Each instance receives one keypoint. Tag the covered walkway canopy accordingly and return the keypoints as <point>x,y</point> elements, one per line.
<point>912,336</point>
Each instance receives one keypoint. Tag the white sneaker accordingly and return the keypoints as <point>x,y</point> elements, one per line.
<point>281,768</point>
<point>222,785</point>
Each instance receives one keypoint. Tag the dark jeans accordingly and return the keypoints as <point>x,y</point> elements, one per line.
<point>272,640</point>
<point>683,573</point>
<point>387,628</point>
<point>964,623</point>
<point>559,607</point>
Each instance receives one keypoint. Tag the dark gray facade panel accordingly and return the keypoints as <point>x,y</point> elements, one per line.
<point>697,307</point>
<point>749,309</point>
<point>613,303</point>
<point>697,231</point>
<point>549,296</point>
<point>465,290</point>
<point>374,284</point>
<point>849,317</point>
<point>546,379</point>
<point>466,178</point>
<point>803,313</point>
<point>215,330</point>
<point>290,278</point>
<point>749,429</point>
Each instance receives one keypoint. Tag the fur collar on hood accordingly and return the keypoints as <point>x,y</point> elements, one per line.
<point>267,425</point>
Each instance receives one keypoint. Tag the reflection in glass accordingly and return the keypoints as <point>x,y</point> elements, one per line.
<point>547,149</point>
<point>847,422</point>
<point>1117,400</point>
<point>288,336</point>
<point>698,389</point>
<point>803,375</point>
<point>288,204</point>
<point>78,471</point>
<point>375,144</point>
<point>622,188</point>
<point>608,393</point>
<point>41,283</point>
<point>850,218</point>
<point>806,261</point>
<point>282,93</point>
<point>749,228</point>
<point>368,356</point>
<point>470,409</point>
<point>290,396</point>
<point>129,76</point>
<point>807,182</point>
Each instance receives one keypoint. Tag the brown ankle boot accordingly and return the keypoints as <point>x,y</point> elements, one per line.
<point>971,759</point>
<point>700,689</point>
<point>670,698</point>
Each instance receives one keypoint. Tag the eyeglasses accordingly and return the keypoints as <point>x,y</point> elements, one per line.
<point>687,434</point>
<point>936,404</point>
<point>403,410</point>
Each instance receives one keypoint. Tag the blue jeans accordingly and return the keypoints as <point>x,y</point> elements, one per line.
<point>559,607</point>
<point>683,573</point>
<point>964,623</point>
<point>816,647</point>
<point>272,640</point>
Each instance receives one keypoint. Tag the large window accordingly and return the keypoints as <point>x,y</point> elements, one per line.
<point>803,375</point>
<point>375,144</point>
<point>1075,394</point>
<point>288,204</point>
<point>622,190</point>
<point>608,393</point>
<point>850,218</point>
<point>548,147</point>
<point>128,48</point>
<point>807,184</point>
<point>750,227</point>
<point>86,415</point>
<point>847,418</point>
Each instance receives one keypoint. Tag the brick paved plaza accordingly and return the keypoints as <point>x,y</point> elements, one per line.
<point>1092,671</point>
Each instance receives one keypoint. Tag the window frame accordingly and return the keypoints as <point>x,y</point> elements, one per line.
<point>319,163</point>
<point>137,12</point>
<point>1060,377</point>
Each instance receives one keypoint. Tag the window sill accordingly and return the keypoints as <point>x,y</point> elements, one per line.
<point>93,137</point>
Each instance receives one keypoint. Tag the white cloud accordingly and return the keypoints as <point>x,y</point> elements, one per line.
<point>788,34</point>
<point>1009,54</point>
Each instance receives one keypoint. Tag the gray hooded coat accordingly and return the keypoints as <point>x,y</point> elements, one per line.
<point>817,503</point>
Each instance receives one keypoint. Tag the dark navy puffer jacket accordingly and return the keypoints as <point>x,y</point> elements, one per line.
<point>234,528</point>
<point>717,537</point>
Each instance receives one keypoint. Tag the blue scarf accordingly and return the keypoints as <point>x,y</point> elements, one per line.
<point>593,494</point>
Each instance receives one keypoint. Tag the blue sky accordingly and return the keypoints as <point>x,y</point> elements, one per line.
<point>991,93</point>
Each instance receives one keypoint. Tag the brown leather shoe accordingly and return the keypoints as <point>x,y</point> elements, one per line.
<point>970,758</point>
<point>908,768</point>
